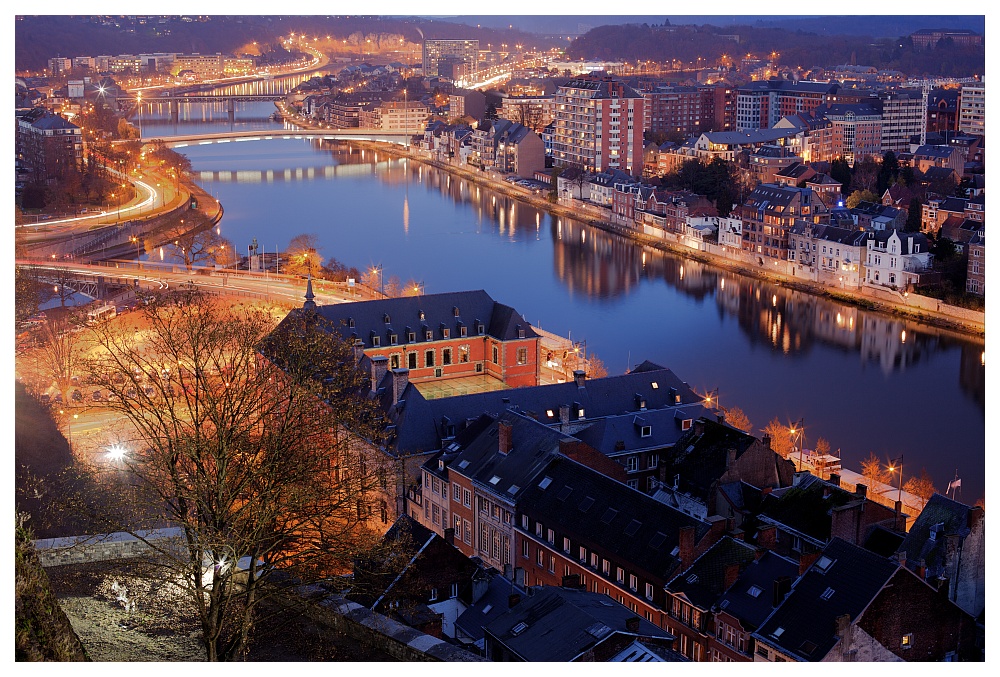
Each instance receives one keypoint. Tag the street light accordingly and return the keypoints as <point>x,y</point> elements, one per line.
<point>799,430</point>
<point>138,261</point>
<point>892,469</point>
<point>381,280</point>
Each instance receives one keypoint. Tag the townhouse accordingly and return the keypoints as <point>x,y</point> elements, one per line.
<point>768,214</point>
<point>829,254</point>
<point>897,260</point>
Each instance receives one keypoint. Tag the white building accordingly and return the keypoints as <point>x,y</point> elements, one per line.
<point>896,259</point>
<point>730,232</point>
<point>972,109</point>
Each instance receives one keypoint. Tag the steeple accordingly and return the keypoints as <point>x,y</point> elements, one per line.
<point>309,304</point>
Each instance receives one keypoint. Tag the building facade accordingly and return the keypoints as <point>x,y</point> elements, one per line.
<point>436,53</point>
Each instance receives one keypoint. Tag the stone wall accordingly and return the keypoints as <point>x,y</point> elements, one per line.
<point>103,547</point>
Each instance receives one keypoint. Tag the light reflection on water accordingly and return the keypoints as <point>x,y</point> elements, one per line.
<point>772,351</point>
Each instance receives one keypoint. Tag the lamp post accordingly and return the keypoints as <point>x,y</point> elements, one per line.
<point>138,261</point>
<point>798,429</point>
<point>406,120</point>
<point>381,279</point>
<point>892,468</point>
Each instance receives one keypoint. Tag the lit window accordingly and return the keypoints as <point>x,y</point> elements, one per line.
<point>908,640</point>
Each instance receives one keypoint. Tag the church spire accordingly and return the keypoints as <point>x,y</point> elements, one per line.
<point>309,304</point>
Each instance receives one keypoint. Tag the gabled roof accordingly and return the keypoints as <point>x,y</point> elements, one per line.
<point>448,310</point>
<point>624,433</point>
<point>418,425</point>
<point>534,445</point>
<point>703,582</point>
<point>751,598</point>
<point>559,624</point>
<point>806,506</point>
<point>927,538</point>
<point>601,512</point>
<point>700,457</point>
<point>844,580</point>
<point>493,604</point>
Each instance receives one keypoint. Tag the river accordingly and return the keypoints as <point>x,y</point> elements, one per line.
<point>864,381</point>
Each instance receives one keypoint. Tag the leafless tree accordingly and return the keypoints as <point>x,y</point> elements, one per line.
<point>781,439</point>
<point>738,419</point>
<point>921,486</point>
<point>873,471</point>
<point>256,442</point>
<point>302,255</point>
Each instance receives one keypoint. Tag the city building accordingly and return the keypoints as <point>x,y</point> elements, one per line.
<point>936,211</point>
<point>394,116</point>
<point>860,129</point>
<point>48,145</point>
<point>942,110</point>
<point>946,546</point>
<point>761,104</point>
<point>768,214</point>
<point>441,336</point>
<point>904,115</point>
<point>685,110</point>
<point>829,254</point>
<point>203,66</point>
<point>441,55</point>
<point>598,125</point>
<point>975,280</point>
<point>853,605</point>
<point>556,623</point>
<point>929,37</point>
<point>972,109</point>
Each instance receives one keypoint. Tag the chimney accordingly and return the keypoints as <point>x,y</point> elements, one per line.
<point>901,558</point>
<point>766,441</point>
<point>921,569</point>
<point>834,479</point>
<point>782,585</point>
<point>806,560</point>
<point>685,542</point>
<point>579,376</point>
<point>504,434</point>
<point>519,575</point>
<point>400,379</point>
<point>380,365</point>
<point>358,350</point>
<point>699,427</point>
<point>861,490</point>
<point>632,624</point>
<point>731,457</point>
<point>767,536</point>
<point>513,600</point>
<point>721,416</point>
<point>730,574</point>
<point>564,414</point>
<point>900,517</point>
<point>449,536</point>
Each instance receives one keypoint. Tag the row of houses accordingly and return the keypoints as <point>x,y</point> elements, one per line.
<point>629,501</point>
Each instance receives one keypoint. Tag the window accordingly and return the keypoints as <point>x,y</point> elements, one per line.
<point>411,337</point>
<point>454,590</point>
<point>620,574</point>
<point>551,536</point>
<point>633,484</point>
<point>538,529</point>
<point>435,514</point>
<point>633,582</point>
<point>606,567</point>
<point>907,642</point>
<point>393,339</point>
<point>446,333</point>
<point>411,360</point>
<point>446,356</point>
<point>455,492</point>
<point>458,525</point>
<point>463,331</point>
<point>428,335</point>
<point>434,594</point>
<point>651,483</point>
<point>524,522</point>
<point>376,341</point>
<point>436,485</point>
<point>463,354</point>
<point>524,549</point>
<point>394,361</point>
<point>632,463</point>
<point>649,591</point>
<point>566,545</point>
<point>522,356</point>
<point>466,498</point>
<point>428,358</point>
<point>540,557</point>
<point>552,563</point>
<point>594,559</point>
<point>496,355</point>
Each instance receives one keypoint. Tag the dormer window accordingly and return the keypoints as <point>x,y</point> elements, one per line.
<point>350,322</point>
<point>376,341</point>
<point>428,335</point>
<point>411,337</point>
<point>446,332</point>
<point>420,313</point>
<point>686,424</point>
<point>454,311</point>
<point>385,318</point>
<point>463,331</point>
<point>646,431</point>
<point>393,339</point>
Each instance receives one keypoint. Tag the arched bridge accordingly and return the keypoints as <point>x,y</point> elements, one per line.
<point>356,133</point>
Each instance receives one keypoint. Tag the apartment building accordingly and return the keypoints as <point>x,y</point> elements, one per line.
<point>437,54</point>
<point>972,109</point>
<point>759,105</point>
<point>598,125</point>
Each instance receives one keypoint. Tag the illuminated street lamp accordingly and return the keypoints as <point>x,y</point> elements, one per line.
<point>798,429</point>
<point>381,281</point>
<point>135,239</point>
<point>893,464</point>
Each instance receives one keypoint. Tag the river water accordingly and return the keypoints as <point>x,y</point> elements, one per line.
<point>864,381</point>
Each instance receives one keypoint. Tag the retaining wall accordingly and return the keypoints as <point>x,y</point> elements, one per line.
<point>104,547</point>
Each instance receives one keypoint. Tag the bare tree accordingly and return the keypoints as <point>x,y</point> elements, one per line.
<point>302,255</point>
<point>199,244</point>
<point>921,486</point>
<point>822,446</point>
<point>595,366</point>
<point>781,438</point>
<point>257,443</point>
<point>738,419</point>
<point>60,356</point>
<point>873,471</point>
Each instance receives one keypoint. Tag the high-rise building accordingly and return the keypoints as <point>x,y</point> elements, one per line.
<point>904,115</point>
<point>48,145</point>
<point>598,125</point>
<point>972,109</point>
<point>761,104</point>
<point>439,53</point>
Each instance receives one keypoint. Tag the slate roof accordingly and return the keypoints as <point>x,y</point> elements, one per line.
<point>842,109</point>
<point>419,423</point>
<point>883,541</point>
<point>844,236</point>
<point>595,510</point>
<point>751,597</point>
<point>807,617</point>
<point>534,446</point>
<point>934,152</point>
<point>493,604</point>
<point>791,86</point>
<point>703,582</point>
<point>904,239</point>
<point>939,173</point>
<point>700,459</point>
<point>439,311</point>
<point>562,623</point>
<point>42,119</point>
<point>797,171</point>
<point>772,195</point>
<point>803,507</point>
<point>943,516</point>
<point>750,137</point>
<point>622,434</point>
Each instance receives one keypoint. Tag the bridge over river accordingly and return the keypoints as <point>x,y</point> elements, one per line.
<point>355,133</point>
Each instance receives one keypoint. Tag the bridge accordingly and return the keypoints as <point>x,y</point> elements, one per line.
<point>354,133</point>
